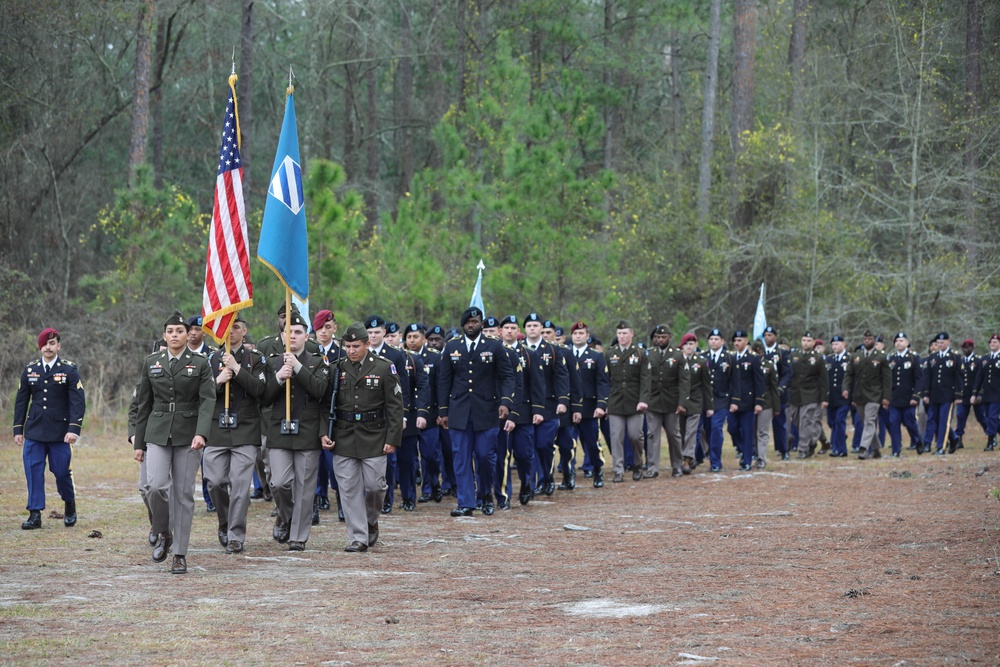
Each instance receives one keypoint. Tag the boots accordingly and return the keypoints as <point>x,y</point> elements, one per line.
<point>34,520</point>
<point>315,517</point>
<point>598,478</point>
<point>991,443</point>
<point>69,518</point>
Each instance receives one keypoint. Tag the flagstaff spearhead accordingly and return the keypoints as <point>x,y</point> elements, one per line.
<point>480,266</point>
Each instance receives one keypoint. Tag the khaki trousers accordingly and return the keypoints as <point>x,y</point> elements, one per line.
<point>618,425</point>
<point>869,436</point>
<point>229,474</point>
<point>170,472</point>
<point>293,485</point>
<point>362,492</point>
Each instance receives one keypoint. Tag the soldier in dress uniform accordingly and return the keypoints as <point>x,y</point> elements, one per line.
<point>196,337</point>
<point>175,404</point>
<point>594,389</point>
<point>971,363</point>
<point>294,451</point>
<point>664,364</point>
<point>943,387</point>
<point>907,379</point>
<point>557,402</point>
<point>567,434</point>
<point>628,400</point>
<point>231,451</point>
<point>986,394</point>
<point>869,379</point>
<point>435,338</point>
<point>475,387</point>
<point>720,364</point>
<point>48,416</point>
<point>696,393</point>
<point>772,401</point>
<point>838,406</point>
<point>747,392</point>
<point>368,425</point>
<point>529,400</point>
<point>808,393</point>
<point>436,341</point>
<point>324,325</point>
<point>402,464</point>
<point>430,435</point>
<point>780,355</point>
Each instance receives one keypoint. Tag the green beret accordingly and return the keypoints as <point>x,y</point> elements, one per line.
<point>356,332</point>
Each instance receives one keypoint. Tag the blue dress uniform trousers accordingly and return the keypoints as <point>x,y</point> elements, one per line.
<point>962,417</point>
<point>836,418</point>
<point>406,468</point>
<point>545,448</point>
<point>716,436</point>
<point>566,441</point>
<point>991,415</point>
<point>469,445</point>
<point>501,481</point>
<point>589,430</point>
<point>937,424</point>
<point>430,458</point>
<point>778,424</point>
<point>448,483</point>
<point>898,417</point>
<point>325,479</point>
<point>744,432</point>
<point>522,446</point>
<point>59,455</point>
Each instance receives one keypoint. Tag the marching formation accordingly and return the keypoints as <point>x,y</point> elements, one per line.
<point>435,414</point>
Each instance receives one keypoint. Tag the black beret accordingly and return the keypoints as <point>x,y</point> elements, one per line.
<point>374,322</point>
<point>453,333</point>
<point>715,332</point>
<point>470,312</point>
<point>436,330</point>
<point>837,339</point>
<point>901,334</point>
<point>942,336</point>
<point>770,329</point>
<point>194,321</point>
<point>491,322</point>
<point>510,319</point>
<point>594,340</point>
<point>414,327</point>
<point>740,333</point>
<point>532,317</point>
<point>391,327</point>
<point>548,324</point>
<point>559,331</point>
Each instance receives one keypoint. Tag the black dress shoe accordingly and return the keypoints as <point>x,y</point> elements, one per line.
<point>437,494</point>
<point>386,508</point>
<point>524,497</point>
<point>803,455</point>
<point>744,467</point>
<point>178,565</point>
<point>152,539</point>
<point>550,488</point>
<point>787,457</point>
<point>504,505</point>
<point>280,531</point>
<point>715,469</point>
<point>617,478</point>
<point>488,506</point>
<point>69,517</point>
<point>462,511</point>
<point>676,472</point>
<point>257,494</point>
<point>372,534</point>
<point>588,474</point>
<point>895,455</point>
<point>636,474</point>
<point>409,506</point>
<point>991,443</point>
<point>939,452</point>
<point>209,507</point>
<point>34,520</point>
<point>224,535</point>
<point>267,495</point>
<point>424,498</point>
<point>598,479</point>
<point>356,547</point>
<point>296,546</point>
<point>324,503</point>
<point>162,547</point>
<point>653,474</point>
<point>234,547</point>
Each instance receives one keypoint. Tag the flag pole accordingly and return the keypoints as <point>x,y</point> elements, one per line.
<point>228,351</point>
<point>288,333</point>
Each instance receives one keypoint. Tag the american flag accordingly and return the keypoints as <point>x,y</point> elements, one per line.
<point>227,274</point>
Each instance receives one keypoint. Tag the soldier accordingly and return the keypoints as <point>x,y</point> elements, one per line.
<point>393,335</point>
<point>368,425</point>
<point>780,355</point>
<point>529,400</point>
<point>869,379</point>
<point>133,410</point>
<point>475,386</point>
<point>907,378</point>
<point>435,341</point>
<point>175,401</point>
<point>196,337</point>
<point>943,387</point>
<point>696,394</point>
<point>294,447</point>
<point>747,398</point>
<point>594,389</point>
<point>629,373</point>
<point>986,394</point>
<point>772,401</point>
<point>567,434</point>
<point>808,392</point>
<point>664,364</point>
<point>435,338</point>
<point>325,327</point>
<point>720,364</point>
<point>838,406</point>
<point>48,416</point>
<point>404,459</point>
<point>556,403</point>
<point>429,436</point>
<point>232,445</point>
<point>971,367</point>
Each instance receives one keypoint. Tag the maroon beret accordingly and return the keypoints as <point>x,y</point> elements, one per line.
<point>577,327</point>
<point>322,317</point>
<point>688,337</point>
<point>47,335</point>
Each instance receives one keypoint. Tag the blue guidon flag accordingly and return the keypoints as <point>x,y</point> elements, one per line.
<point>283,245</point>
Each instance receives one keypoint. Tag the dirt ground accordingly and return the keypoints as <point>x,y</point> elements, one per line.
<point>822,562</point>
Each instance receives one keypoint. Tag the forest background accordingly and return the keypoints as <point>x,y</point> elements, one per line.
<point>650,159</point>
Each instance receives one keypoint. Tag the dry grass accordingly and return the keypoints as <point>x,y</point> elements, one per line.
<point>833,561</point>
